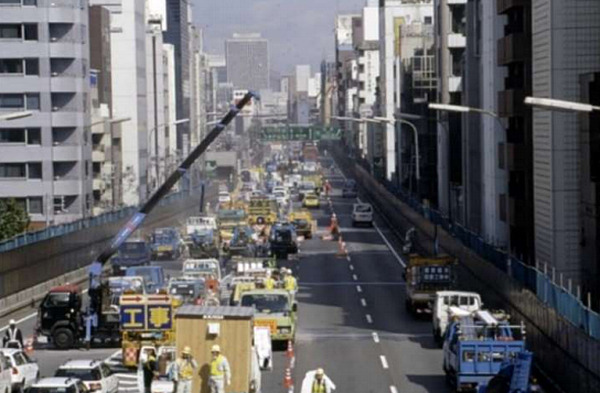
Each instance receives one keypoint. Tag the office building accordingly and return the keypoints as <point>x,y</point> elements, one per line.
<point>247,57</point>
<point>44,68</point>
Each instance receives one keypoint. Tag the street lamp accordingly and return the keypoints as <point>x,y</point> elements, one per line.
<point>154,131</point>
<point>15,115</point>
<point>561,105</point>
<point>467,109</point>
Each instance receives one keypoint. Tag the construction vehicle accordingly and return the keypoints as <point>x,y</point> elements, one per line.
<point>166,242</point>
<point>61,319</point>
<point>424,277</point>
<point>448,303</point>
<point>187,290</point>
<point>134,252</point>
<point>242,241</point>
<point>283,240</point>
<point>513,377</point>
<point>475,346</point>
<point>201,237</point>
<point>261,207</point>
<point>227,219</point>
<point>303,222</point>
<point>275,309</point>
<point>146,320</point>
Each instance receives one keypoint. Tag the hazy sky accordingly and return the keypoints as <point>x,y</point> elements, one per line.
<point>299,31</point>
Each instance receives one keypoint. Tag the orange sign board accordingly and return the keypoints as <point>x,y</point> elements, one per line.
<point>270,323</point>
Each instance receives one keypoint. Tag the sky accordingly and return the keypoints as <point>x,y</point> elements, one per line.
<point>299,31</point>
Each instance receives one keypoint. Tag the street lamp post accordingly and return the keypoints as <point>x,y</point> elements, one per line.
<point>560,105</point>
<point>15,115</point>
<point>467,109</point>
<point>154,131</point>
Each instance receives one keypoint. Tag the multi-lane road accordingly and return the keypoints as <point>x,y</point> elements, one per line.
<point>351,320</point>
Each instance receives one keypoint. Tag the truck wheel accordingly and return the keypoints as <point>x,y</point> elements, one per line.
<point>63,338</point>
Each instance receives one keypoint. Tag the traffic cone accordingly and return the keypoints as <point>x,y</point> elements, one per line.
<point>287,380</point>
<point>29,346</point>
<point>290,350</point>
<point>341,248</point>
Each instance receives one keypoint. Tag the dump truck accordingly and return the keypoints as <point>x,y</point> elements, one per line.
<point>133,252</point>
<point>146,320</point>
<point>201,237</point>
<point>302,220</point>
<point>227,220</point>
<point>275,309</point>
<point>424,277</point>
<point>262,208</point>
<point>201,327</point>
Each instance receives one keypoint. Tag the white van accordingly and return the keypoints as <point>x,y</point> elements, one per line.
<point>445,301</point>
<point>5,375</point>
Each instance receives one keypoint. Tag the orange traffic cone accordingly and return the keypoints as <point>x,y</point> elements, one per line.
<point>29,346</point>
<point>287,380</point>
<point>290,350</point>
<point>341,248</point>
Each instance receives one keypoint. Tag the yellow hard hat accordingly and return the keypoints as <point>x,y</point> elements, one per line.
<point>320,371</point>
<point>216,348</point>
<point>187,350</point>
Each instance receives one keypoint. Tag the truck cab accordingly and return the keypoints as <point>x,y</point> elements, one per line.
<point>165,242</point>
<point>275,309</point>
<point>134,252</point>
<point>59,316</point>
<point>476,346</point>
<point>283,240</point>
<point>154,277</point>
<point>452,302</point>
<point>424,277</point>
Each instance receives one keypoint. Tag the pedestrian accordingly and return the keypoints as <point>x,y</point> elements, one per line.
<point>149,369</point>
<point>184,370</point>
<point>317,382</point>
<point>269,282</point>
<point>220,372</point>
<point>13,338</point>
<point>289,282</point>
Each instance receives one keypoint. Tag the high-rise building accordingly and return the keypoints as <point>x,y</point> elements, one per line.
<point>564,49</point>
<point>247,57</point>
<point>44,71</point>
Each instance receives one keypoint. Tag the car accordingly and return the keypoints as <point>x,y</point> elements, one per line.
<point>311,200</point>
<point>154,277</point>
<point>5,375</point>
<point>283,240</point>
<point>362,213</point>
<point>350,189</point>
<point>24,371</point>
<point>95,375</point>
<point>166,242</point>
<point>224,197</point>
<point>281,197</point>
<point>59,385</point>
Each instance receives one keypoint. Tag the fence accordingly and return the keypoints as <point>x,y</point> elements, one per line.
<point>551,293</point>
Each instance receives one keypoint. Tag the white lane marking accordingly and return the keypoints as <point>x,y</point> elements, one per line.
<point>387,243</point>
<point>354,277</point>
<point>384,362</point>
<point>369,319</point>
<point>363,302</point>
<point>351,267</point>
<point>393,389</point>
<point>376,337</point>
<point>348,258</point>
<point>358,289</point>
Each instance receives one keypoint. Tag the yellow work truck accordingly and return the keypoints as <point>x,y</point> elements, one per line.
<point>424,277</point>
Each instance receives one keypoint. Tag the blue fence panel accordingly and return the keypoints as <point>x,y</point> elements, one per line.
<point>593,324</point>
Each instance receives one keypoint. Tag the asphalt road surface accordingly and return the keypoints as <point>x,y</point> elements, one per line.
<point>351,320</point>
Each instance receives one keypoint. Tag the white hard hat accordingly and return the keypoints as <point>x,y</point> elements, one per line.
<point>216,348</point>
<point>12,322</point>
<point>320,371</point>
<point>187,350</point>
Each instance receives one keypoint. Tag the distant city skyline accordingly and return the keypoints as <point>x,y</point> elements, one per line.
<point>304,37</point>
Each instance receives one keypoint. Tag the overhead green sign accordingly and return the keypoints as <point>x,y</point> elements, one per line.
<point>299,133</point>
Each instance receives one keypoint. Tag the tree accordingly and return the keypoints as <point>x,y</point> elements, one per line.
<point>14,219</point>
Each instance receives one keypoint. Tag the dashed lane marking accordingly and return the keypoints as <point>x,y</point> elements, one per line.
<point>344,283</point>
<point>369,319</point>
<point>375,337</point>
<point>354,277</point>
<point>393,389</point>
<point>384,362</point>
<point>358,289</point>
<point>351,267</point>
<point>363,302</point>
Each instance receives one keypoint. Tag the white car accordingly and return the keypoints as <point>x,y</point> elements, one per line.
<point>96,375</point>
<point>224,197</point>
<point>281,197</point>
<point>5,375</point>
<point>362,213</point>
<point>58,385</point>
<point>24,370</point>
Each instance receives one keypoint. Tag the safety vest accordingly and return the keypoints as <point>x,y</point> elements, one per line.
<point>269,283</point>
<point>290,283</point>
<point>215,370</point>
<point>13,334</point>
<point>319,387</point>
<point>186,369</point>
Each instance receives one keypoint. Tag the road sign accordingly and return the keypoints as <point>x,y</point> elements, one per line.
<point>146,312</point>
<point>299,133</point>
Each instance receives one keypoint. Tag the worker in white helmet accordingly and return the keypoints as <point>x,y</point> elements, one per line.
<point>13,338</point>
<point>184,370</point>
<point>316,381</point>
<point>220,372</point>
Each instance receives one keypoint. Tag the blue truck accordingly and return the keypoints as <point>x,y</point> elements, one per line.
<point>166,243</point>
<point>513,377</point>
<point>477,345</point>
<point>134,252</point>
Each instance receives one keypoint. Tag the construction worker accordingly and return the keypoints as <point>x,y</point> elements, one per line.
<point>269,282</point>
<point>327,187</point>
<point>185,369</point>
<point>150,371</point>
<point>289,282</point>
<point>335,230</point>
<point>317,382</point>
<point>13,338</point>
<point>220,373</point>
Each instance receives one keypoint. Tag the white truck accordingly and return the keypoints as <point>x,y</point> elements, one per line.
<point>447,303</point>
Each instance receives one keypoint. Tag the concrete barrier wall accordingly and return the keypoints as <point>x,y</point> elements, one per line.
<point>22,270</point>
<point>563,351</point>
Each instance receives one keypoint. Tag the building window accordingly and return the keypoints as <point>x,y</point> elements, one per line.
<point>35,205</point>
<point>30,31</point>
<point>34,136</point>
<point>428,20</point>
<point>11,66</point>
<point>12,101</point>
<point>13,171</point>
<point>33,101</point>
<point>18,2</point>
<point>30,136</point>
<point>502,207</point>
<point>10,31</point>
<point>501,155</point>
<point>34,170</point>
<point>32,67</point>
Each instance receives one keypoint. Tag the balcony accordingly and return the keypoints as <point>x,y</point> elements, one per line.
<point>510,103</point>
<point>503,6</point>
<point>513,48</point>
<point>517,156</point>
<point>457,41</point>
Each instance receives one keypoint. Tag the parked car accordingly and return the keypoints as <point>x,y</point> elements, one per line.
<point>362,213</point>
<point>24,371</point>
<point>96,375</point>
<point>5,375</point>
<point>59,385</point>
